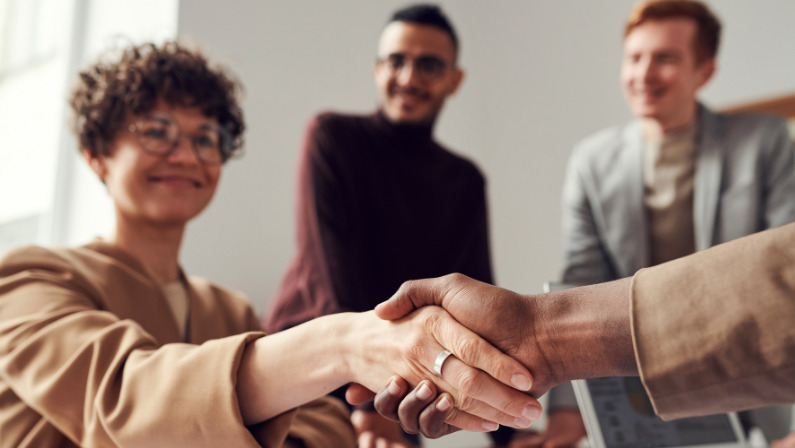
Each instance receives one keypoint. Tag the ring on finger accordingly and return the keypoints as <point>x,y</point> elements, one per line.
<point>437,365</point>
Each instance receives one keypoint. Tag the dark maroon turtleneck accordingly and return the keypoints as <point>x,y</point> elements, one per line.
<point>378,203</point>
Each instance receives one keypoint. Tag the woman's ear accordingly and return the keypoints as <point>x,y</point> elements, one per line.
<point>95,162</point>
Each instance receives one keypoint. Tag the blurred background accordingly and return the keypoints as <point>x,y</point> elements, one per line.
<point>540,75</point>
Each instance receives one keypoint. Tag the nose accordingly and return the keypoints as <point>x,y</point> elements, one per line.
<point>183,152</point>
<point>646,70</point>
<point>407,74</point>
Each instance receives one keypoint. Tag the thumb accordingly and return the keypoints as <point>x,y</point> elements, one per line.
<point>358,394</point>
<point>411,295</point>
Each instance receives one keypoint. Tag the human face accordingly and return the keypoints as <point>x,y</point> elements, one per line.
<point>164,190</point>
<point>405,95</point>
<point>659,73</point>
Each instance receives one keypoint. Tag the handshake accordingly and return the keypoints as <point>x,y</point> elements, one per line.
<point>560,336</point>
<point>706,337</point>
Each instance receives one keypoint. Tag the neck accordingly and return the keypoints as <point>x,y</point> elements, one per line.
<point>406,131</point>
<point>156,247</point>
<point>656,129</point>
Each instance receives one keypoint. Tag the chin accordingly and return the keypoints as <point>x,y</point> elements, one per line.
<point>645,112</point>
<point>403,118</point>
<point>174,216</point>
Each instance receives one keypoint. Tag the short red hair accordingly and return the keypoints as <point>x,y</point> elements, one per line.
<point>707,25</point>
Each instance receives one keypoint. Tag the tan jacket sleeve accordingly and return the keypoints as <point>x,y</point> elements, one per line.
<point>322,423</point>
<point>105,381</point>
<point>715,332</point>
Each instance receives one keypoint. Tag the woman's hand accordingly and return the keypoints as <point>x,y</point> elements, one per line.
<point>312,359</point>
<point>485,384</point>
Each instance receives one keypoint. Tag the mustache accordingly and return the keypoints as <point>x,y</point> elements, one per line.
<point>409,90</point>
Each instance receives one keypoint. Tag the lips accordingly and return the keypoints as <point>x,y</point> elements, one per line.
<point>177,181</point>
<point>649,95</point>
<point>409,97</point>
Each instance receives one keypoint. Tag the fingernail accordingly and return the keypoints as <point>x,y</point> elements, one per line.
<point>424,392</point>
<point>521,382</point>
<point>531,412</point>
<point>490,426</point>
<point>393,388</point>
<point>522,423</point>
<point>444,405</point>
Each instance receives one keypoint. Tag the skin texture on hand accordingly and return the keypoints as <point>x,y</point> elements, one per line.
<point>374,431</point>
<point>362,348</point>
<point>560,336</point>
<point>403,347</point>
<point>421,410</point>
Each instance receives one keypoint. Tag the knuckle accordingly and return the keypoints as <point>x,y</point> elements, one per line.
<point>430,317</point>
<point>456,276</point>
<point>406,286</point>
<point>469,382</point>
<point>466,403</point>
<point>414,348</point>
<point>468,349</point>
<point>499,369</point>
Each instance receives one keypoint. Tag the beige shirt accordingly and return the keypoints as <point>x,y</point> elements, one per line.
<point>177,297</point>
<point>668,169</point>
<point>91,356</point>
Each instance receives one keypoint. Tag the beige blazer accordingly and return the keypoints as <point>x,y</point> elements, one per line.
<point>90,355</point>
<point>715,331</point>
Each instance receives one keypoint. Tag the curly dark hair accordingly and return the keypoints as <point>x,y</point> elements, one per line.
<point>133,82</point>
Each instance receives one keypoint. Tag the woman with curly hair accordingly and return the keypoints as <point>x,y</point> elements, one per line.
<point>112,344</point>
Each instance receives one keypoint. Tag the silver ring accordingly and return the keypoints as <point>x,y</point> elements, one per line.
<point>437,365</point>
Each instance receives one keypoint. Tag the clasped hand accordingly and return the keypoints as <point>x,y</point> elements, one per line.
<point>497,315</point>
<point>487,386</point>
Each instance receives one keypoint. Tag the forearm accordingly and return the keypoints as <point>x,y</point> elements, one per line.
<point>287,369</point>
<point>584,332</point>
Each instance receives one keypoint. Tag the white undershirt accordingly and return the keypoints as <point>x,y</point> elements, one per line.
<point>177,298</point>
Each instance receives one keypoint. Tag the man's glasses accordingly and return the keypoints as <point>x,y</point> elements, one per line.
<point>427,68</point>
<point>158,135</point>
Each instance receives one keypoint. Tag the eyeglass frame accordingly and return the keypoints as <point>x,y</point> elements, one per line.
<point>422,73</point>
<point>225,144</point>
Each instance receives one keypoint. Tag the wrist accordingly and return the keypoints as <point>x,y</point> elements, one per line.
<point>343,346</point>
<point>585,332</point>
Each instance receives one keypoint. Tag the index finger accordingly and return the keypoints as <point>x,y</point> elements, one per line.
<point>476,352</point>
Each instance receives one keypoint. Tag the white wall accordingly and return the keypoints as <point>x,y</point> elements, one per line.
<point>81,207</point>
<point>41,171</point>
<point>540,76</point>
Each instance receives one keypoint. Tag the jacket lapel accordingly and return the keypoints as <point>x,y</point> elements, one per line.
<point>706,185</point>
<point>633,253</point>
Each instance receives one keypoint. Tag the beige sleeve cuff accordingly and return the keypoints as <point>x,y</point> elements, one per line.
<point>712,332</point>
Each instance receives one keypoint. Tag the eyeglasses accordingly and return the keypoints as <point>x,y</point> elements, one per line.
<point>427,68</point>
<point>159,136</point>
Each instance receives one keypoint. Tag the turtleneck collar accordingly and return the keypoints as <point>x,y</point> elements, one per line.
<point>404,134</point>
